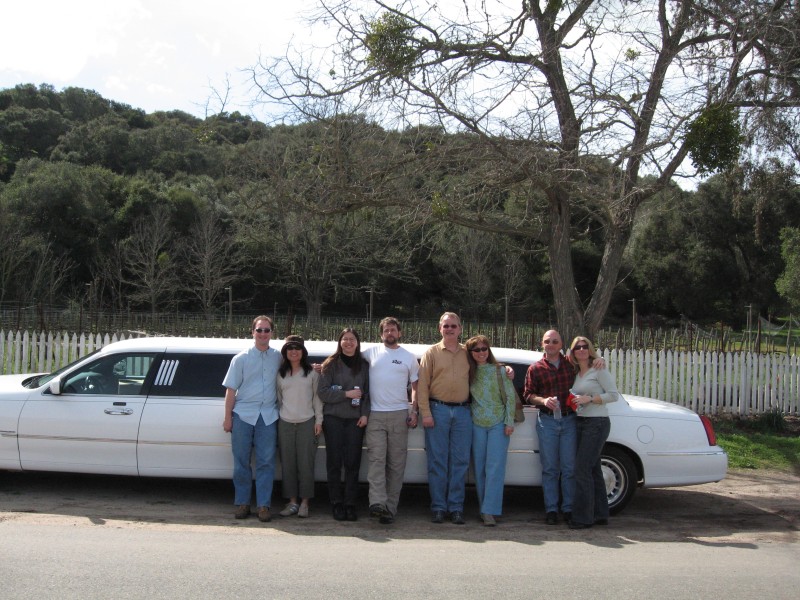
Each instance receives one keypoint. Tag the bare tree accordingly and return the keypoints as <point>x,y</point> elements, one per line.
<point>46,273</point>
<point>465,258</point>
<point>211,261</point>
<point>15,257</point>
<point>150,267</point>
<point>579,110</point>
<point>108,273</point>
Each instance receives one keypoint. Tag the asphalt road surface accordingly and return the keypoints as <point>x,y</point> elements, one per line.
<point>77,536</point>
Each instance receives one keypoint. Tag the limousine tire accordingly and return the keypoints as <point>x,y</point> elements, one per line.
<point>621,477</point>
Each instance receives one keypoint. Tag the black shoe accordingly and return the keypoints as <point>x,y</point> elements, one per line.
<point>551,518</point>
<point>567,516</point>
<point>377,511</point>
<point>575,525</point>
<point>386,519</point>
<point>437,516</point>
<point>457,517</point>
<point>338,511</point>
<point>601,522</point>
<point>350,513</point>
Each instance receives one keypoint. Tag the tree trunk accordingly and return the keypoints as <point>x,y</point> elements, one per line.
<point>313,307</point>
<point>616,239</point>
<point>562,278</point>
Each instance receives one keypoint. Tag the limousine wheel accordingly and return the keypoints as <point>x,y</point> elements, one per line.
<point>621,478</point>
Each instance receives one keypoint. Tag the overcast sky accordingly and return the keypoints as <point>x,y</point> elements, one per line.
<point>151,54</point>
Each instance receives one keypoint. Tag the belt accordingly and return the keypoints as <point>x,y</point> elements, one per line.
<point>465,403</point>
<point>564,413</point>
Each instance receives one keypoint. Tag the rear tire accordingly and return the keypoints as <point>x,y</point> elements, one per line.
<point>621,478</point>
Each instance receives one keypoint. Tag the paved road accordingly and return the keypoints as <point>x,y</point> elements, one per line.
<point>70,536</point>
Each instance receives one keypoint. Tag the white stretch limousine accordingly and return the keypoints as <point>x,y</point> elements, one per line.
<point>154,407</point>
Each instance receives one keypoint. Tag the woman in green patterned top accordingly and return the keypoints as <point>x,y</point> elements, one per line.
<point>492,424</point>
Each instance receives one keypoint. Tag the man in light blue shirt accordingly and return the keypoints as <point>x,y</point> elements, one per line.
<point>251,415</point>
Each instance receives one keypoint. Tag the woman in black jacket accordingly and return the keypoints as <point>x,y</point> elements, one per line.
<point>344,390</point>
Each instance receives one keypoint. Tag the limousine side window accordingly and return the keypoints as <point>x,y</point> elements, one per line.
<point>192,375</point>
<point>115,375</point>
<point>520,372</point>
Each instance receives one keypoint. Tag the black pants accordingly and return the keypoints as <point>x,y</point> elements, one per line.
<point>343,440</point>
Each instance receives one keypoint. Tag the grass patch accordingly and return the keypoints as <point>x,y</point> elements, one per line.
<point>765,442</point>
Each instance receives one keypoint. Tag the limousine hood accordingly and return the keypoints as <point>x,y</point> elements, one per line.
<point>13,383</point>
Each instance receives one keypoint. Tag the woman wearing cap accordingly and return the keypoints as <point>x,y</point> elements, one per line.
<point>299,426</point>
<point>492,424</point>
<point>593,389</point>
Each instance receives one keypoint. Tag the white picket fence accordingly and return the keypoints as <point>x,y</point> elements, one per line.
<point>706,382</point>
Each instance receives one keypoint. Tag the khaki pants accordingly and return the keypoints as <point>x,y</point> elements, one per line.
<point>387,449</point>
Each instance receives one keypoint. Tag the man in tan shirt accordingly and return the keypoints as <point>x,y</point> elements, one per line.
<point>443,397</point>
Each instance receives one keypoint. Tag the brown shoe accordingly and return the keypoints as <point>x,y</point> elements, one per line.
<point>242,511</point>
<point>263,514</point>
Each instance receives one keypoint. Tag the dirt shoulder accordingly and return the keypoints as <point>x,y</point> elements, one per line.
<point>748,507</point>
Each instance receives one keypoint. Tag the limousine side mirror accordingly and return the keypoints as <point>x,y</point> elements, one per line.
<point>55,387</point>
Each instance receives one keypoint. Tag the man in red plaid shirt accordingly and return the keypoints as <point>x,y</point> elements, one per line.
<point>547,385</point>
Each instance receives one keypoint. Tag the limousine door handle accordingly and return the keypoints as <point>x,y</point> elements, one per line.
<point>118,411</point>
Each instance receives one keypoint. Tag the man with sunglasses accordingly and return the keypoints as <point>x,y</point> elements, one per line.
<point>251,415</point>
<point>547,385</point>
<point>443,398</point>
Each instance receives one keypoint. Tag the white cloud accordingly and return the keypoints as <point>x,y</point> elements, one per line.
<point>151,54</point>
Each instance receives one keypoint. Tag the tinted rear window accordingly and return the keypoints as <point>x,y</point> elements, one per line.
<point>198,375</point>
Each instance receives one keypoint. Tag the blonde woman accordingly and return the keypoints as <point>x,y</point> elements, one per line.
<point>593,389</point>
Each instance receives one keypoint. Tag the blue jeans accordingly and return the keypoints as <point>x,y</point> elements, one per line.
<point>557,446</point>
<point>591,499</point>
<point>245,439</point>
<point>447,446</point>
<point>489,452</point>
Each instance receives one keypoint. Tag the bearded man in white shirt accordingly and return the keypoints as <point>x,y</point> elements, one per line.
<point>392,371</point>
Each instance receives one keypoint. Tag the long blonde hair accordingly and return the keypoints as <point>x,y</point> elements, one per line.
<point>570,354</point>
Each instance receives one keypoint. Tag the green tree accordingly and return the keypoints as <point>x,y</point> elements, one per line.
<point>29,133</point>
<point>788,284</point>
<point>718,242</point>
<point>104,141</point>
<point>288,180</point>
<point>69,207</point>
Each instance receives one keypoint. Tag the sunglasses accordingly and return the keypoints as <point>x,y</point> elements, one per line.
<point>580,347</point>
<point>293,347</point>
<point>450,326</point>
<point>262,330</point>
<point>481,349</point>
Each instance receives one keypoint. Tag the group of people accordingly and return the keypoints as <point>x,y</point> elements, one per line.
<point>278,401</point>
<point>279,395</point>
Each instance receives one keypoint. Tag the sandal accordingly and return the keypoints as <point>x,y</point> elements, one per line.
<point>290,510</point>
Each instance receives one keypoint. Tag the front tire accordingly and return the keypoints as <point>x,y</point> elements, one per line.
<point>621,478</point>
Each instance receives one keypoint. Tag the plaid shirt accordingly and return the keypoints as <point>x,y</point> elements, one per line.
<point>545,379</point>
